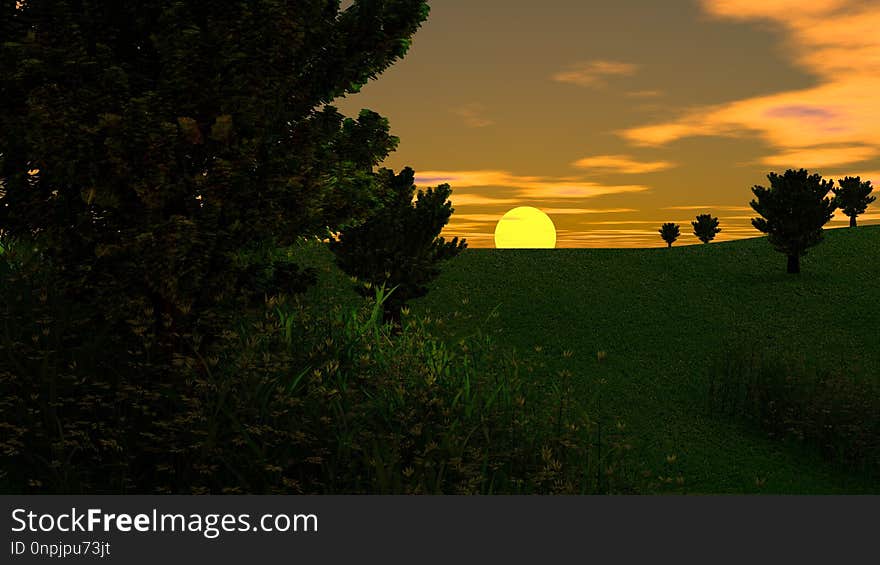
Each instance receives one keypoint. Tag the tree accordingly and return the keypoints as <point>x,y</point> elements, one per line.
<point>853,197</point>
<point>669,232</point>
<point>160,151</point>
<point>706,227</point>
<point>794,208</point>
<point>399,246</point>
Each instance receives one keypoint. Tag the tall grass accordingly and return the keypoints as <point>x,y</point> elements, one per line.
<point>293,398</point>
<point>836,411</point>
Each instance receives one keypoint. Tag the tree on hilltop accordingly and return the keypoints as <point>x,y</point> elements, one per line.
<point>794,208</point>
<point>669,232</point>
<point>706,227</point>
<point>853,197</point>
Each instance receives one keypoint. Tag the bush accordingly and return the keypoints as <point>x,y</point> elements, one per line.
<point>292,399</point>
<point>834,410</point>
<point>399,245</point>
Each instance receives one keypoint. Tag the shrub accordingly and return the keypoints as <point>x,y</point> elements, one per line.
<point>834,410</point>
<point>400,245</point>
<point>293,399</point>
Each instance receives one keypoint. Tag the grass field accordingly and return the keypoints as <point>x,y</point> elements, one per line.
<point>663,316</point>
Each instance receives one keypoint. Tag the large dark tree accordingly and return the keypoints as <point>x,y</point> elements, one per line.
<point>706,227</point>
<point>793,208</point>
<point>669,232</point>
<point>158,151</point>
<point>399,246</point>
<point>853,197</point>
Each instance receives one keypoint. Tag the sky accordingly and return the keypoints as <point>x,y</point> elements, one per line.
<point>614,117</point>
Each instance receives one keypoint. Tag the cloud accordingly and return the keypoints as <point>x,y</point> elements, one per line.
<point>623,164</point>
<point>478,217</point>
<point>527,187</point>
<point>563,211</point>
<point>772,9</point>
<point>551,211</point>
<point>631,222</point>
<point>471,199</point>
<point>836,42</point>
<point>594,74</point>
<point>710,207</point>
<point>644,94</point>
<point>803,112</point>
<point>473,115</point>
<point>554,190</point>
<point>822,156</point>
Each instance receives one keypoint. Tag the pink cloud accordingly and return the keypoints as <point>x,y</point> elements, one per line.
<point>594,74</point>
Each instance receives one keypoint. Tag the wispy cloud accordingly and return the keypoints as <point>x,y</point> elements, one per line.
<point>822,156</point>
<point>477,217</point>
<point>644,94</point>
<point>462,198</point>
<point>772,9</point>
<point>551,211</point>
<point>834,40</point>
<point>624,164</point>
<point>526,187</point>
<point>710,207</point>
<point>578,211</point>
<point>473,115</point>
<point>594,74</point>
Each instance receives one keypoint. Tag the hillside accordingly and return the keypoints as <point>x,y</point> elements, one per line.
<point>663,316</point>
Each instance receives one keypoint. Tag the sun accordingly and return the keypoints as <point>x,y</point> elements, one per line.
<point>525,228</point>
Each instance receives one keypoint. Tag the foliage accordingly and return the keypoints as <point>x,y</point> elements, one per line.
<point>794,208</point>
<point>836,411</point>
<point>399,246</point>
<point>301,399</point>
<point>669,232</point>
<point>706,227</point>
<point>160,150</point>
<point>853,197</point>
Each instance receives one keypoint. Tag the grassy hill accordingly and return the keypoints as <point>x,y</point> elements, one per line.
<point>663,317</point>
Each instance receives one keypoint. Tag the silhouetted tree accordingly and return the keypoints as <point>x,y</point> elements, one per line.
<point>794,209</point>
<point>853,197</point>
<point>706,227</point>
<point>159,150</point>
<point>669,232</point>
<point>399,246</point>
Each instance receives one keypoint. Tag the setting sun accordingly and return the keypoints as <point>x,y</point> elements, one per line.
<point>525,228</point>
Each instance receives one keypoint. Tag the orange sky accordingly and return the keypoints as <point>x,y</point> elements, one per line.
<point>614,117</point>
